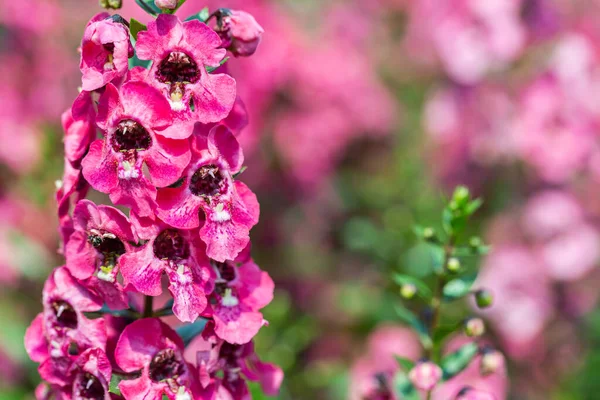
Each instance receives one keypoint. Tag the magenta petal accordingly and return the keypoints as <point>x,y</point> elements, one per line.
<point>55,370</point>
<point>35,341</point>
<point>140,389</point>
<point>214,97</point>
<point>235,325</point>
<point>142,270</point>
<point>203,42</point>
<point>256,288</point>
<point>178,207</point>
<point>168,160</point>
<point>138,343</point>
<point>189,298</point>
<point>111,292</point>
<point>108,106</point>
<point>80,256</point>
<point>222,142</point>
<point>138,194</point>
<point>163,34</point>
<point>99,169</point>
<point>249,203</point>
<point>146,103</point>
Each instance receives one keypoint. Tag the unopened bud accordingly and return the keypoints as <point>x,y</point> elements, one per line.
<point>408,290</point>
<point>239,31</point>
<point>468,393</point>
<point>166,4</point>
<point>491,360</point>
<point>111,4</point>
<point>425,375</point>
<point>453,264</point>
<point>461,195</point>
<point>474,327</point>
<point>483,298</point>
<point>475,242</point>
<point>428,234</point>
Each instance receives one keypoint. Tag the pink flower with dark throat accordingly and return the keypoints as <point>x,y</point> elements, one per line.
<point>240,32</point>
<point>151,348</point>
<point>102,234</point>
<point>79,125</point>
<point>177,253</point>
<point>180,53</point>
<point>131,120</point>
<point>90,376</point>
<point>239,294</point>
<point>230,208</point>
<point>62,332</point>
<point>105,52</point>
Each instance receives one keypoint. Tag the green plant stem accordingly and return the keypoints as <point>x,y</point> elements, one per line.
<point>148,308</point>
<point>436,301</point>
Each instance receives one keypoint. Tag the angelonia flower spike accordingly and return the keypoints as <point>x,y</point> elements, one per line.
<point>431,356</point>
<point>151,128</point>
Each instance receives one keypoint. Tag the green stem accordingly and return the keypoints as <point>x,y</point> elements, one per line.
<point>148,308</point>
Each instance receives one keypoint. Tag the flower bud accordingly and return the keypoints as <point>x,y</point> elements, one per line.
<point>425,375</point>
<point>453,264</point>
<point>468,393</point>
<point>111,4</point>
<point>408,290</point>
<point>461,195</point>
<point>166,4</point>
<point>429,234</point>
<point>491,360</point>
<point>483,298</point>
<point>474,327</point>
<point>475,242</point>
<point>239,30</point>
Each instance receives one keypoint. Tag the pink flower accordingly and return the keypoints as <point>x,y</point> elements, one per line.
<point>239,293</point>
<point>102,234</point>
<point>425,375</point>
<point>372,374</point>
<point>90,377</point>
<point>236,363</point>
<point>105,51</point>
<point>130,120</point>
<point>62,331</point>
<point>240,32</point>
<point>230,208</point>
<point>180,53</point>
<point>178,253</point>
<point>79,125</point>
<point>151,348</point>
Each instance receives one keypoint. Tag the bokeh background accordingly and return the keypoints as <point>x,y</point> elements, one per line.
<point>363,115</point>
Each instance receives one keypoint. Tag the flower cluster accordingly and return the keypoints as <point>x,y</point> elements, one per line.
<point>155,127</point>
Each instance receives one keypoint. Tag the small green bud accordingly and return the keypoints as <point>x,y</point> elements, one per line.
<point>461,195</point>
<point>483,298</point>
<point>474,327</point>
<point>111,4</point>
<point>453,264</point>
<point>408,290</point>
<point>475,242</point>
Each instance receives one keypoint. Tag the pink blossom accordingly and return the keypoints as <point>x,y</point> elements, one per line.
<point>230,208</point>
<point>177,253</point>
<point>105,51</point>
<point>240,32</point>
<point>180,53</point>
<point>131,120</point>
<point>62,331</point>
<point>156,351</point>
<point>90,377</point>
<point>425,375</point>
<point>101,236</point>
<point>239,293</point>
<point>79,126</point>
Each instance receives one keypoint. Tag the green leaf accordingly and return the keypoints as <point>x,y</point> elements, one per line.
<point>148,6</point>
<point>136,27</point>
<point>113,387</point>
<point>422,288</point>
<point>459,287</point>
<point>455,363</point>
<point>404,388</point>
<point>443,331</point>
<point>241,171</point>
<point>188,332</point>
<point>405,363</point>
<point>201,16</point>
<point>411,319</point>
<point>473,206</point>
<point>211,69</point>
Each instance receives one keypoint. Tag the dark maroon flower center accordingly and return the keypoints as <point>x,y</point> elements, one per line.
<point>230,354</point>
<point>130,135</point>
<point>90,388</point>
<point>178,67</point>
<point>208,181</point>
<point>170,245</point>
<point>226,270</point>
<point>110,47</point>
<point>107,245</point>
<point>65,314</point>
<point>165,365</point>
